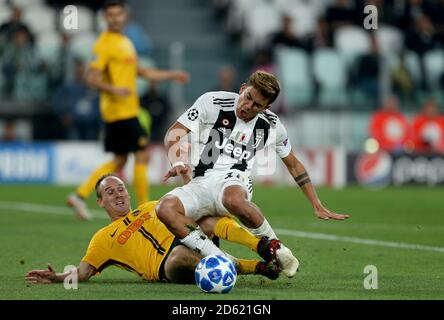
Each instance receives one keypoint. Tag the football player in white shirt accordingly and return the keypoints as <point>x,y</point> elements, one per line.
<point>230,129</point>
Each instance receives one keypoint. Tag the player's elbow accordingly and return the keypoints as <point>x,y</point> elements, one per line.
<point>293,164</point>
<point>83,278</point>
<point>85,271</point>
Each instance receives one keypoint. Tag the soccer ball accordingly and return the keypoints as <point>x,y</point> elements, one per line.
<point>215,274</point>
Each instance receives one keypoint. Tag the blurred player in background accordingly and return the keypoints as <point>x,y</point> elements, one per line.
<point>231,128</point>
<point>138,241</point>
<point>114,72</point>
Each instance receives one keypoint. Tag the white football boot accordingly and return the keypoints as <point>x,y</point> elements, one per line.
<point>288,263</point>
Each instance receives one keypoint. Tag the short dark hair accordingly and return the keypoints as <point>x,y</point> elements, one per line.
<point>266,83</point>
<point>112,3</point>
<point>100,181</point>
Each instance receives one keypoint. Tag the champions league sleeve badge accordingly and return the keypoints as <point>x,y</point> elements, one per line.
<point>193,114</point>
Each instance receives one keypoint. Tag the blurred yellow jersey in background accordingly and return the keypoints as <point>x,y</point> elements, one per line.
<point>116,58</point>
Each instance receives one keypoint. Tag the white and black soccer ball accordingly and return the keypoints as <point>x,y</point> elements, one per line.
<point>215,274</point>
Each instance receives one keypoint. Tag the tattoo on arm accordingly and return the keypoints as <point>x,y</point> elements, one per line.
<point>302,179</point>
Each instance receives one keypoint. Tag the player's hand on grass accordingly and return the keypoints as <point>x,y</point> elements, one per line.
<point>325,214</point>
<point>121,92</point>
<point>41,276</point>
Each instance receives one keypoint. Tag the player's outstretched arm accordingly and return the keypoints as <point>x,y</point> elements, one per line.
<point>152,74</point>
<point>300,175</point>
<point>84,272</point>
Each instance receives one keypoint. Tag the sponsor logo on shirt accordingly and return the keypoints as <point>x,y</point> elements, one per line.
<point>229,149</point>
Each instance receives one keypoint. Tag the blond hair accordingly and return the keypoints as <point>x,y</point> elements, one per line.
<point>266,83</point>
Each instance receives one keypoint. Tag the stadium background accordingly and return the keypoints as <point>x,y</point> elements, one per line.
<point>333,83</point>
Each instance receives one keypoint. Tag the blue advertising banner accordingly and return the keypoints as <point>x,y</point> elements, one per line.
<point>26,163</point>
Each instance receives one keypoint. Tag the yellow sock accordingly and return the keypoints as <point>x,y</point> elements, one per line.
<point>246,266</point>
<point>85,189</point>
<point>141,186</point>
<point>228,229</point>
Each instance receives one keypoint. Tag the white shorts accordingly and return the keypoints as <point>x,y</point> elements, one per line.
<point>202,196</point>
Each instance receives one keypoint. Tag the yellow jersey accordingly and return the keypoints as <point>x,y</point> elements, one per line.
<point>116,58</point>
<point>138,242</point>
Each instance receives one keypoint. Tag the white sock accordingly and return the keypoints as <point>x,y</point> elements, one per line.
<point>264,230</point>
<point>197,241</point>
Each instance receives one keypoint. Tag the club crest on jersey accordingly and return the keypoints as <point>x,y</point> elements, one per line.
<point>259,136</point>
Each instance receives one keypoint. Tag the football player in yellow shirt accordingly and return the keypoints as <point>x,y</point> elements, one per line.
<point>138,241</point>
<point>114,73</point>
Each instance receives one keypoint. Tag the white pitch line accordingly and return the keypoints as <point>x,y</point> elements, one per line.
<point>42,208</point>
<point>370,242</point>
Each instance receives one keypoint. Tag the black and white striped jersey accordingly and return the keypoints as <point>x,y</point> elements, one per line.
<point>225,141</point>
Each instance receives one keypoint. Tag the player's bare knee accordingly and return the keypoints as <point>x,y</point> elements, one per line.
<point>235,204</point>
<point>166,209</point>
<point>173,267</point>
<point>180,265</point>
<point>174,259</point>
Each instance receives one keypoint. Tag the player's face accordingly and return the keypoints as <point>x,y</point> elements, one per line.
<point>115,17</point>
<point>115,198</point>
<point>250,103</point>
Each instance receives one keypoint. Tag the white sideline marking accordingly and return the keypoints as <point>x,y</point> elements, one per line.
<point>370,242</point>
<point>43,208</point>
<point>98,214</point>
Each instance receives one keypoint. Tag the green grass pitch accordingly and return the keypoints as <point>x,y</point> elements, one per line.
<point>406,227</point>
